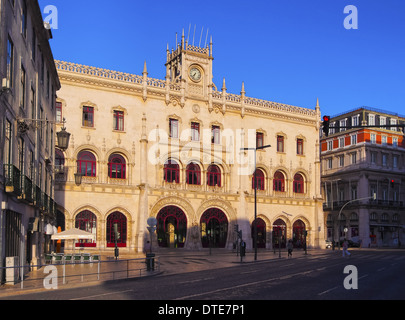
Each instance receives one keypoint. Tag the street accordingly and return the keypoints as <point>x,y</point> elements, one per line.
<point>379,275</point>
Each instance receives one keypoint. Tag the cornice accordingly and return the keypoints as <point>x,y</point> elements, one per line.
<point>144,86</point>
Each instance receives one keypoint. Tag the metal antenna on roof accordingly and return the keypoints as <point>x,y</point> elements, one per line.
<point>194,35</point>
<point>188,36</point>
<point>199,44</point>
<point>206,38</point>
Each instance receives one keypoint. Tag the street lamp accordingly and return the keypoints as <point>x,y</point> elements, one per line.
<point>374,196</point>
<point>63,137</point>
<point>255,187</point>
<point>78,178</point>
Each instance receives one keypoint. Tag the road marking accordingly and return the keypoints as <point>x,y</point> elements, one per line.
<point>381,269</point>
<point>198,280</point>
<point>101,295</point>
<point>327,291</point>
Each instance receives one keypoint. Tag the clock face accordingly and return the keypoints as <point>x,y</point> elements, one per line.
<point>195,74</point>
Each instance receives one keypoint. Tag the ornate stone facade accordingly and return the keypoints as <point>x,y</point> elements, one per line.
<point>179,141</point>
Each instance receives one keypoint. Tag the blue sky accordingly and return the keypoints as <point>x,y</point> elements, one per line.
<point>290,52</point>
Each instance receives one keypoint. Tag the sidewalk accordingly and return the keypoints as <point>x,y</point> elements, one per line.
<point>168,261</point>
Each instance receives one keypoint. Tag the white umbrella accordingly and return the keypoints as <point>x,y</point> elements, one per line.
<point>74,234</point>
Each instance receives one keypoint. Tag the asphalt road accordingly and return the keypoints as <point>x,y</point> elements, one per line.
<point>371,275</point>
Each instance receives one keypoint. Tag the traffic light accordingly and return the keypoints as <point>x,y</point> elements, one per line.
<point>326,125</point>
<point>392,183</point>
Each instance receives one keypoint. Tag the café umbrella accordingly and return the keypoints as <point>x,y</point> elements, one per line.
<point>74,234</point>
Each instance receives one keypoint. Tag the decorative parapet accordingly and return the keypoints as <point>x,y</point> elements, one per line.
<point>161,84</point>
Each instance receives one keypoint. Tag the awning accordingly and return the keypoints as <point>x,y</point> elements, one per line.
<point>74,234</point>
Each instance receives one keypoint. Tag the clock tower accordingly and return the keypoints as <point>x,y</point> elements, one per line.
<point>189,70</point>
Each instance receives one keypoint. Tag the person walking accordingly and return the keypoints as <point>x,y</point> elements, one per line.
<point>344,249</point>
<point>290,248</point>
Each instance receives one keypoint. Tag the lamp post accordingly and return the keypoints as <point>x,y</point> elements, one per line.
<point>255,187</point>
<point>374,196</point>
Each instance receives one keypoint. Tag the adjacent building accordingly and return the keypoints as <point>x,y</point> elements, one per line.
<point>170,149</point>
<point>358,162</point>
<point>27,132</point>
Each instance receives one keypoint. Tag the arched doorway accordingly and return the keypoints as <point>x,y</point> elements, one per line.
<point>171,227</point>
<point>86,221</point>
<point>121,221</point>
<point>298,234</point>
<point>279,233</point>
<point>214,228</point>
<point>261,233</point>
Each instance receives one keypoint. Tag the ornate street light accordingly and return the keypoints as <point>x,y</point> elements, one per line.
<point>78,178</point>
<point>63,137</point>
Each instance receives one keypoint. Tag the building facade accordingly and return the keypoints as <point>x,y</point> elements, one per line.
<point>27,132</point>
<point>171,150</point>
<point>358,163</point>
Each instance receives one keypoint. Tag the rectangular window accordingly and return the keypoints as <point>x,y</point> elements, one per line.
<point>343,124</point>
<point>7,143</point>
<point>384,140</point>
<point>215,135</point>
<point>384,159</point>
<point>174,128</point>
<point>118,120</point>
<point>59,112</point>
<point>354,158</point>
<point>373,138</point>
<point>383,121</point>
<point>195,131</point>
<point>10,62</point>
<point>330,145</point>
<point>394,122</point>
<point>24,19</point>
<point>33,104</point>
<point>22,88</point>
<point>330,163</point>
<point>354,193</point>
<point>259,139</point>
<point>341,142</point>
<point>88,117</point>
<point>373,156</point>
<point>354,139</point>
<point>395,161</point>
<point>355,121</point>
<point>280,144</point>
<point>371,120</point>
<point>395,142</point>
<point>341,161</point>
<point>34,45</point>
<point>300,146</point>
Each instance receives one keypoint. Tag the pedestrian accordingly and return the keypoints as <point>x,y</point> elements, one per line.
<point>345,247</point>
<point>147,247</point>
<point>290,248</point>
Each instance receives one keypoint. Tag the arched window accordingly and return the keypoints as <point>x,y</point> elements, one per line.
<point>86,164</point>
<point>213,176</point>
<point>193,174</point>
<point>86,221</point>
<point>259,180</point>
<point>171,171</point>
<point>119,219</point>
<point>298,183</point>
<point>117,167</point>
<point>278,182</point>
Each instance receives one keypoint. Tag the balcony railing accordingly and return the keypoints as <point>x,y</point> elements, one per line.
<point>12,179</point>
<point>37,197</point>
<point>27,189</point>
